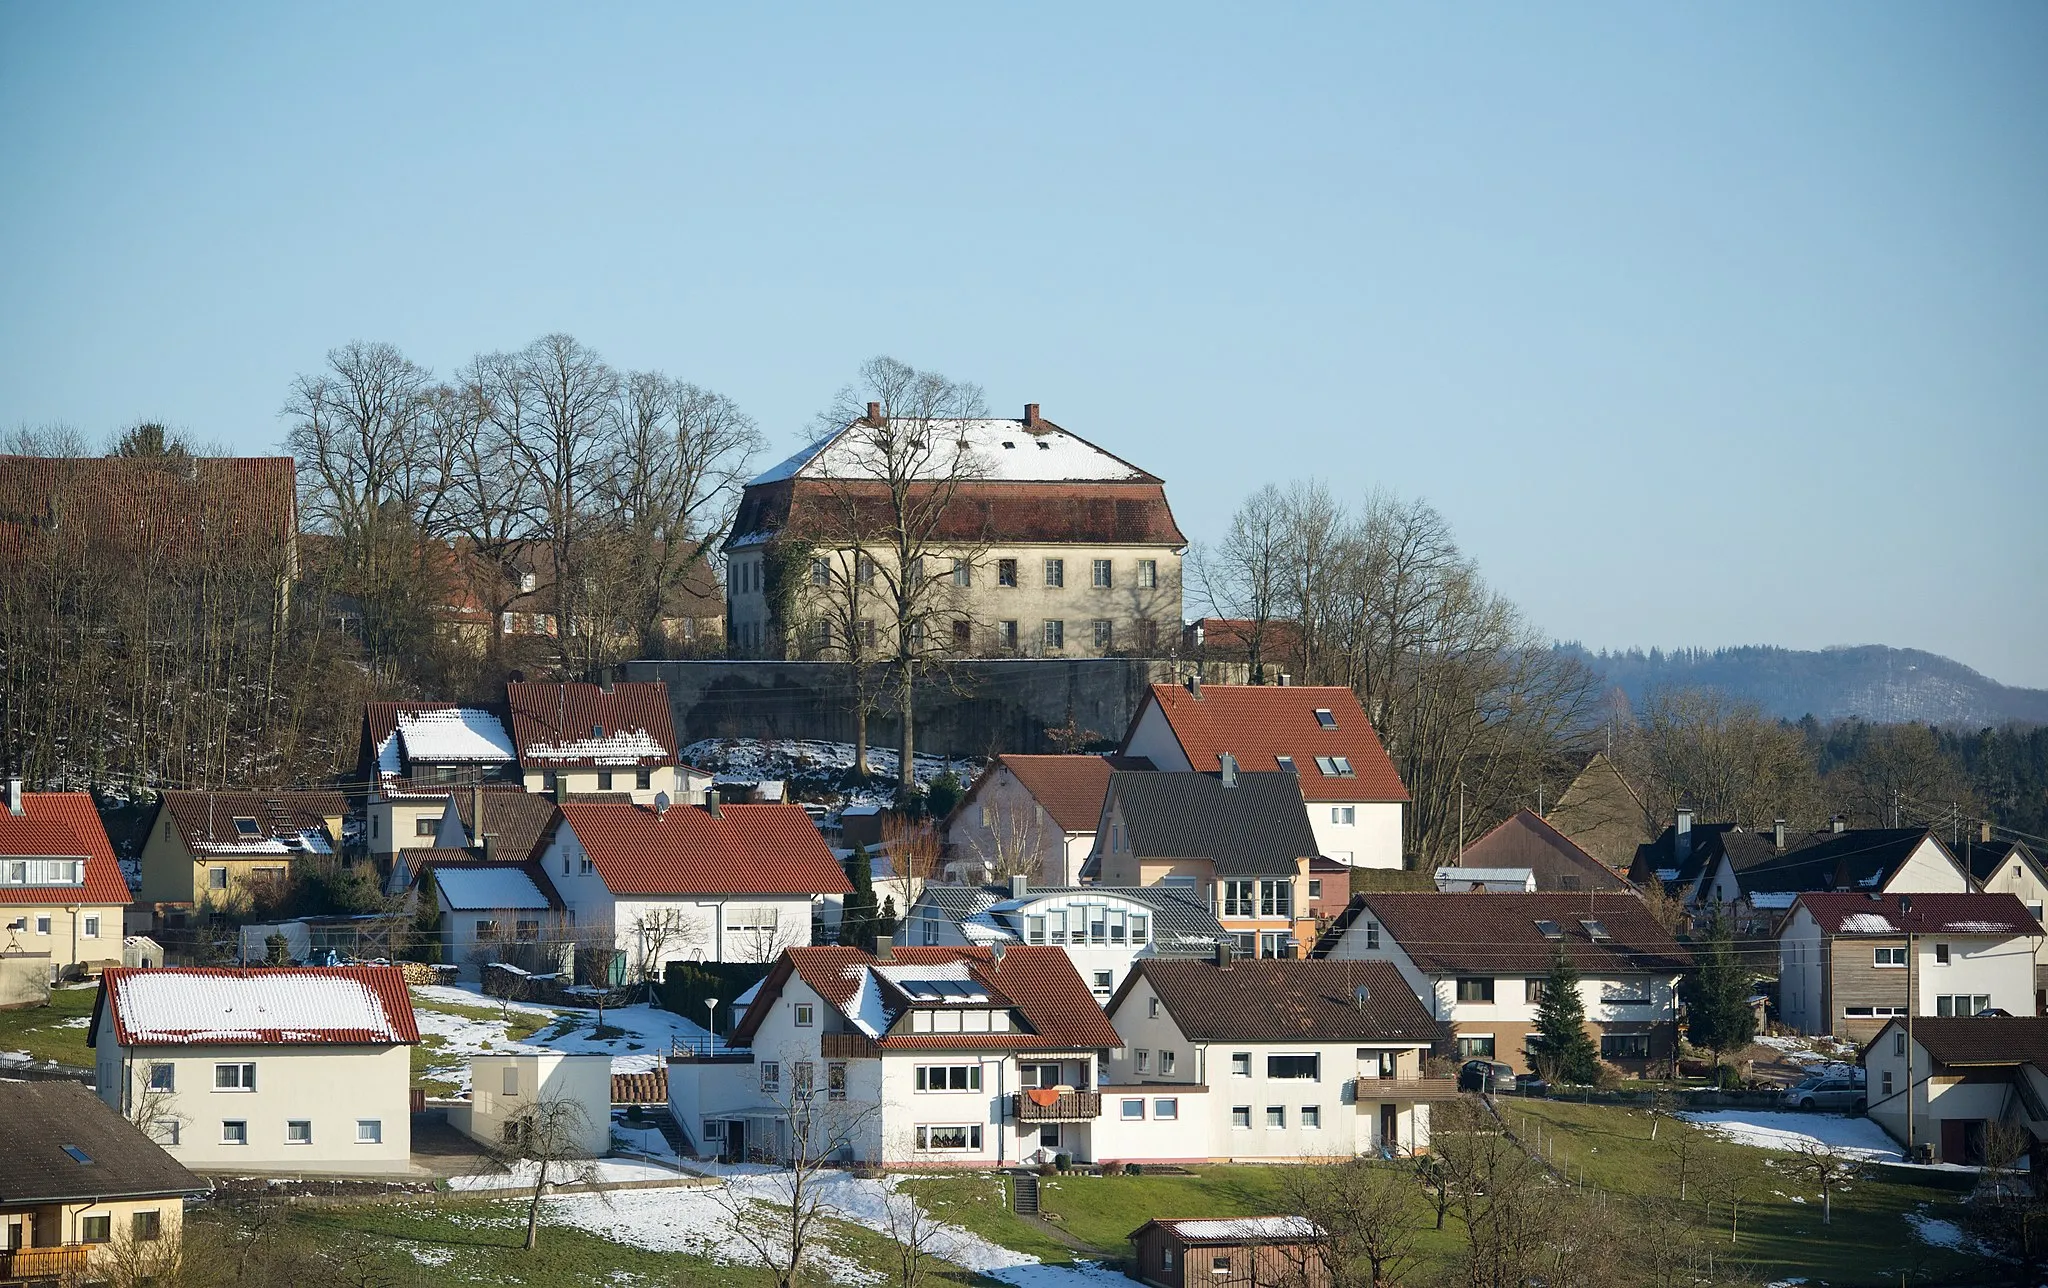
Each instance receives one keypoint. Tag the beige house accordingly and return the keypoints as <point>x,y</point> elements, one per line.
<point>614,738</point>
<point>61,891</point>
<point>281,1071</point>
<point>81,1190</point>
<point>1049,545</point>
<point>224,848</point>
<point>506,1092</point>
<point>1033,816</point>
<point>1966,1074</point>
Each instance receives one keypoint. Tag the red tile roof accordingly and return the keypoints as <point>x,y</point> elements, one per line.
<point>1259,723</point>
<point>1070,788</point>
<point>127,503</point>
<point>263,1006</point>
<point>556,726</point>
<point>1928,914</point>
<point>1129,514</point>
<point>745,849</point>
<point>62,825</point>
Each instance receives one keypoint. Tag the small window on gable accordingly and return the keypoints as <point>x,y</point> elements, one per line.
<point>1326,718</point>
<point>247,827</point>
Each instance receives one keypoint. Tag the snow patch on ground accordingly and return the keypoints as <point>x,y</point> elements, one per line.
<point>1764,1129</point>
<point>817,766</point>
<point>1934,1230</point>
<point>641,1046</point>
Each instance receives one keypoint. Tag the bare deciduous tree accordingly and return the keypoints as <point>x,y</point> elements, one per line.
<point>1241,576</point>
<point>1370,1214</point>
<point>1015,840</point>
<point>546,1135</point>
<point>1828,1168</point>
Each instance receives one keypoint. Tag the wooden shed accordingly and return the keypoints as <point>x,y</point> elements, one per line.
<point>1223,1251</point>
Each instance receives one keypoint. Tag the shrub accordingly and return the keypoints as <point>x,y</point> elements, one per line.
<point>1062,1161</point>
<point>1607,1076</point>
<point>1047,1169</point>
<point>1112,1169</point>
<point>1134,1169</point>
<point>1726,1078</point>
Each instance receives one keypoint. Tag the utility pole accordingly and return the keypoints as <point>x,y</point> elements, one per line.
<point>1906,907</point>
<point>1461,821</point>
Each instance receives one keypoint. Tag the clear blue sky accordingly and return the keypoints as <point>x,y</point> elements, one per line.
<point>1704,324</point>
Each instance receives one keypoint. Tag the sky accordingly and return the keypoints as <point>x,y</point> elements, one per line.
<point>1704,325</point>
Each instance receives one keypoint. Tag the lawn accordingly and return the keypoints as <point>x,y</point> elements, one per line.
<point>53,1032</point>
<point>980,1203</point>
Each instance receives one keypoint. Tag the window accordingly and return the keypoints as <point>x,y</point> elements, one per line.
<point>1276,1117</point>
<point>1941,954</point>
<point>1008,632</point>
<point>92,928</point>
<point>1219,1264</point>
<point>486,929</point>
<point>234,1131</point>
<point>806,1015</point>
<point>510,1084</point>
<point>867,632</point>
<point>1141,926</point>
<point>1148,573</point>
<point>1131,1109</point>
<point>1344,815</point>
<point>1151,1008</point>
<point>1055,633</point>
<point>949,1077</point>
<point>1335,766</point>
<point>1286,764</point>
<point>1240,1064</point>
<point>369,1131</point>
<point>1105,633</point>
<point>1241,1116</point>
<point>1274,943</point>
<point>1034,928</point>
<point>216,878</point>
<point>803,1081</point>
<point>1141,1060</point>
<point>1899,1042</point>
<point>1166,1257</point>
<point>1166,1062</point>
<point>963,572</point>
<point>1311,1117</point>
<point>298,1131</point>
<point>1166,1109</point>
<point>963,1137</point>
<point>1100,575</point>
<point>147,1227</point>
<point>864,569</point>
<point>1624,1046</point>
<point>771,1076</point>
<point>1103,985</point>
<point>1098,925</point>
<point>1372,934</point>
<point>1885,1087</point>
<point>1006,572</point>
<point>835,1080</point>
<point>1276,899</point>
<point>1961,1005</point>
<point>1307,1068</point>
<point>1326,718</point>
<point>167,1132</point>
<point>96,1229</point>
<point>1475,1048</point>
<point>1888,957</point>
<point>425,826</point>
<point>821,635</point>
<point>1471,989</point>
<point>604,780</point>
<point>821,572</point>
<point>1532,991</point>
<point>1055,572</point>
<point>1869,1012</point>
<point>1237,898</point>
<point>42,925</point>
<point>234,1077</point>
<point>163,1077</point>
<point>1056,926</point>
<point>643,779</point>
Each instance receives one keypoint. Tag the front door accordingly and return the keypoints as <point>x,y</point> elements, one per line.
<point>1390,1127</point>
<point>736,1141</point>
<point>1954,1139</point>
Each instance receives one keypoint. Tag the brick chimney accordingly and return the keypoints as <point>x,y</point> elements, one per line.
<point>885,948</point>
<point>874,413</point>
<point>1229,765</point>
<point>1031,416</point>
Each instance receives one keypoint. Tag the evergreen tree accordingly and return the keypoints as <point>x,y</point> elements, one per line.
<point>1717,1010</point>
<point>857,928</point>
<point>887,921</point>
<point>1561,1020</point>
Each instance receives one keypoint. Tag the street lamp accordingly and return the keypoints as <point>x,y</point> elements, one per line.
<point>710,1025</point>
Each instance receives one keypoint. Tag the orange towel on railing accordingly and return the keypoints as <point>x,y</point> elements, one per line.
<point>1045,1097</point>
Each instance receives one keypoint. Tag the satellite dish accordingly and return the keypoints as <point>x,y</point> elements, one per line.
<point>661,804</point>
<point>1362,994</point>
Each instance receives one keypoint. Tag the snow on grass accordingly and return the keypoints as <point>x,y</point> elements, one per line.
<point>1933,1230</point>
<point>817,765</point>
<point>1765,1129</point>
<point>609,1171</point>
<point>637,1038</point>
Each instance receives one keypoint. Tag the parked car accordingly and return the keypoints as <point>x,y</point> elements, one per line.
<point>1832,1091</point>
<point>1485,1076</point>
<point>1531,1084</point>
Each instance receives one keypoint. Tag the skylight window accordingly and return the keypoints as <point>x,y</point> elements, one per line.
<point>78,1155</point>
<point>1326,718</point>
<point>1549,928</point>
<point>247,827</point>
<point>597,731</point>
<point>1287,764</point>
<point>1595,931</point>
<point>1335,766</point>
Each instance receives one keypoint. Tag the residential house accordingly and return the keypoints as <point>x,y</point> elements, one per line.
<point>497,912</point>
<point>1102,928</point>
<point>1032,814</point>
<point>1756,875</point>
<point>1349,788</point>
<point>709,882</point>
<point>1326,889</point>
<point>225,848</point>
<point>82,1191</point>
<point>2013,868</point>
<point>1223,1251</point>
<point>1849,962</point>
<point>1263,1060</point>
<point>928,1057</point>
<point>600,738</point>
<point>1239,843</point>
<point>61,890</point>
<point>506,1091</point>
<point>1525,841</point>
<point>1480,961</point>
<point>1602,815</point>
<point>516,825</point>
<point>414,755</point>
<point>1966,1073</point>
<point>295,1070</point>
<point>1051,546</point>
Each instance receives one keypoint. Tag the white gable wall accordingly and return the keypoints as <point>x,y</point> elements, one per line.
<point>1928,870</point>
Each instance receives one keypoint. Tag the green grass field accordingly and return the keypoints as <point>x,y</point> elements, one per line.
<point>52,1032</point>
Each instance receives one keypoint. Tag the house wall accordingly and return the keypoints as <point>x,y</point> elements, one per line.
<point>1929,870</point>
<point>331,1086</point>
<point>31,1225</point>
<point>462,946</point>
<point>2000,968</point>
<point>69,933</point>
<point>1005,817</point>
<point>504,1086</point>
<point>681,782</point>
<point>393,822</point>
<point>1186,1137</point>
<point>1802,974</point>
<point>1373,841</point>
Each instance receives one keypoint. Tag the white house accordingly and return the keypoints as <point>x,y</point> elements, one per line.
<point>616,738</point>
<point>1966,1075</point>
<point>1759,873</point>
<point>1269,1060</point>
<point>507,1091</point>
<point>1353,794</point>
<point>1031,814</point>
<point>1849,962</point>
<point>926,1057</point>
<point>289,1070</point>
<point>495,912</point>
<point>709,882</point>
<point>1479,963</point>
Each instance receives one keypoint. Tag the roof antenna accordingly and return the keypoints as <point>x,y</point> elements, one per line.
<point>1363,994</point>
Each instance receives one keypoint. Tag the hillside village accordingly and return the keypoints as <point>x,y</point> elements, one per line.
<point>1142,961</point>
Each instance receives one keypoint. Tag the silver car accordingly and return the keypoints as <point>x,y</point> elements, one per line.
<point>1839,1092</point>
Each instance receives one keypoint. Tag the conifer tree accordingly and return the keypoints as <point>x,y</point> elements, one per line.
<point>857,927</point>
<point>1561,1020</point>
<point>1717,1011</point>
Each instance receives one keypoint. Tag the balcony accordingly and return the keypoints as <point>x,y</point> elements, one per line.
<point>1375,1090</point>
<point>61,1262</point>
<point>1066,1107</point>
<point>847,1046</point>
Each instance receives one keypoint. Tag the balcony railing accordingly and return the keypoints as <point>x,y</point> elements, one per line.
<point>847,1046</point>
<point>45,1263</point>
<point>1070,1106</point>
<point>1373,1090</point>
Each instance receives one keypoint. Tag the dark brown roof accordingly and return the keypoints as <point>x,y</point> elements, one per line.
<point>1980,1040</point>
<point>38,1120</point>
<point>1919,914</point>
<point>570,726</point>
<point>206,820</point>
<point>1257,828</point>
<point>1447,934</point>
<point>518,822</point>
<point>1070,788</point>
<point>1125,514</point>
<point>1525,840</point>
<point>1271,1000</point>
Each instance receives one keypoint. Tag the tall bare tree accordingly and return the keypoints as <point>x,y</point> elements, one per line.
<point>1243,575</point>
<point>1725,758</point>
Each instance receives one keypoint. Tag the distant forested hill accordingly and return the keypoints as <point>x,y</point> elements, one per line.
<point>1871,681</point>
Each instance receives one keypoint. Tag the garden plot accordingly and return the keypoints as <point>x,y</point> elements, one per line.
<point>464,1022</point>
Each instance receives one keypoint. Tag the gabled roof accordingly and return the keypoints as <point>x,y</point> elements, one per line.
<point>1659,859</point>
<point>743,849</point>
<point>1525,840</point>
<point>472,885</point>
<point>1236,1229</point>
<point>1602,814</point>
<point>1272,1000</point>
<point>123,503</point>
<point>1070,788</point>
<point>1258,723</point>
<point>991,914</point>
<point>1122,514</point>
<point>584,726</point>
<point>1258,827</point>
<point>1978,1041</point>
<point>40,1122</point>
<point>1986,857</point>
<point>1999,914</point>
<point>1038,984</point>
<point>1446,934</point>
<point>267,1006</point>
<point>1857,858</point>
<point>517,821</point>
<point>279,823</point>
<point>62,825</point>
<point>989,449</point>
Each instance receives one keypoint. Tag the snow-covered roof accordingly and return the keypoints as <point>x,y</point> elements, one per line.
<point>1002,451</point>
<point>943,982</point>
<point>624,747</point>
<point>868,1011</point>
<point>460,734</point>
<point>356,1005</point>
<point>1247,1228</point>
<point>1509,876</point>
<point>485,888</point>
<point>1866,923</point>
<point>1772,900</point>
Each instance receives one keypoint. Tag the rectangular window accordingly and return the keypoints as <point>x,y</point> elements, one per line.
<point>821,635</point>
<point>1166,1060</point>
<point>1276,899</point>
<point>1628,992</point>
<point>1237,898</point>
<point>1056,926</point>
<point>803,1079</point>
<point>806,1015</point>
<point>963,572</point>
<point>1372,934</point>
<point>821,572</point>
<point>1344,815</point>
<point>369,1131</point>
<point>509,1084</point>
<point>1471,989</point>
<point>217,878</point>
<point>1100,574</point>
<point>1315,888</point>
<point>1276,1117</point>
<point>967,1136</point>
<point>1475,1048</point>
<point>1961,1005</point>
<point>963,634</point>
<point>604,780</point>
<point>92,928</point>
<point>1102,986</point>
<point>1142,1060</point>
<point>147,1227</point>
<point>1166,1109</point>
<point>1148,636</point>
<point>864,568</point>
<point>643,779</point>
<point>163,1077</point>
<point>1311,1117</point>
<point>1307,1068</point>
<point>1141,926</point>
<point>949,1077</point>
<point>1532,991</point>
<point>298,1131</point>
<point>1241,1116</point>
<point>1105,633</point>
<point>1055,572</point>
<point>1055,633</point>
<point>835,1080</point>
<point>1941,954</point>
<point>425,826</point>
<point>1885,1087</point>
<point>1888,957</point>
<point>1240,1064</point>
<point>1132,1109</point>
<point>1899,1042</point>
<point>96,1229</point>
<point>42,925</point>
<point>1008,632</point>
<point>1286,764</point>
<point>1275,943</point>
<point>1148,573</point>
<point>1034,928</point>
<point>234,1131</point>
<point>1624,1046</point>
<point>1326,718</point>
<point>771,1076</point>
<point>1006,572</point>
<point>234,1077</point>
<point>167,1133</point>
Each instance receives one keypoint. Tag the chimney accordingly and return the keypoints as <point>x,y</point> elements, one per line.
<point>1229,768</point>
<point>476,814</point>
<point>604,683</point>
<point>1681,836</point>
<point>874,413</point>
<point>1194,688</point>
<point>1837,823</point>
<point>1778,835</point>
<point>14,795</point>
<point>1223,954</point>
<point>1020,885</point>
<point>1031,415</point>
<point>711,803</point>
<point>1984,832</point>
<point>885,948</point>
<point>1285,679</point>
